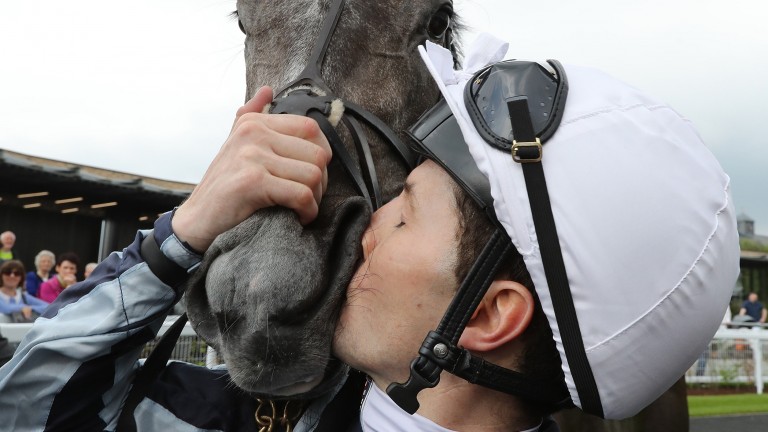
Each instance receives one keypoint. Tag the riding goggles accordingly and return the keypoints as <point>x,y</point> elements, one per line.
<point>513,86</point>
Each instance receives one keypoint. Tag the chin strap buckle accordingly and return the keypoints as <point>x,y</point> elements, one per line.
<point>436,353</point>
<point>424,374</point>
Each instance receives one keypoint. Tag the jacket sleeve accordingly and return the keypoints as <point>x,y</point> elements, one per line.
<point>9,308</point>
<point>36,304</point>
<point>73,369</point>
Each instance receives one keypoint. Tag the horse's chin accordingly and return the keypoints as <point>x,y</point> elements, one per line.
<point>298,388</point>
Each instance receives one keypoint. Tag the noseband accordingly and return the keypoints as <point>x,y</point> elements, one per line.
<point>310,96</point>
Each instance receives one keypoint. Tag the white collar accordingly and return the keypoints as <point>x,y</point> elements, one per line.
<point>8,298</point>
<point>380,414</point>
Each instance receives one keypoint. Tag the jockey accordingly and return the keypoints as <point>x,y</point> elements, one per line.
<point>568,241</point>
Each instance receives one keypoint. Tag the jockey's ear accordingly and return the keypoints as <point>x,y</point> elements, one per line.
<point>503,315</point>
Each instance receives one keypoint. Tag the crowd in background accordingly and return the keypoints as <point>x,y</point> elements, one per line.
<point>24,295</point>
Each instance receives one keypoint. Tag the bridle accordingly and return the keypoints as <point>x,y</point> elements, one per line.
<point>310,96</point>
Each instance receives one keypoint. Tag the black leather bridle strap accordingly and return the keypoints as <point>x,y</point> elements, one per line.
<point>552,258</point>
<point>315,63</point>
<point>366,159</point>
<point>406,153</point>
<point>340,152</point>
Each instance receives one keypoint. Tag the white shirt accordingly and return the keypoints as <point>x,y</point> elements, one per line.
<point>16,298</point>
<point>380,414</point>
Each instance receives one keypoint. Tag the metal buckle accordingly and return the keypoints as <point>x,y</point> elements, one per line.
<point>521,151</point>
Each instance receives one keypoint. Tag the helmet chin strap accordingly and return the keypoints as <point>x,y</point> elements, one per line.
<point>439,351</point>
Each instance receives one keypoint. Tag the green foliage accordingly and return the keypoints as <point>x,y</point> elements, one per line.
<point>728,374</point>
<point>752,245</point>
<point>700,406</point>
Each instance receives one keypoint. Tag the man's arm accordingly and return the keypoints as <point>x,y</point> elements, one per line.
<point>36,304</point>
<point>77,361</point>
<point>73,370</point>
<point>763,315</point>
<point>9,308</point>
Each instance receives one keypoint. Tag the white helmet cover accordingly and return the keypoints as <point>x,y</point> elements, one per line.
<point>646,226</point>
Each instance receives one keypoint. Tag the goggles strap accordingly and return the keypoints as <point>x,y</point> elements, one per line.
<point>554,266</point>
<point>425,370</point>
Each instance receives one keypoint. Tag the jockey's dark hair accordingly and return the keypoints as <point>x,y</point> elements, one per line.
<point>540,358</point>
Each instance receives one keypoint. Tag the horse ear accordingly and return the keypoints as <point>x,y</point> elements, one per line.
<point>504,314</point>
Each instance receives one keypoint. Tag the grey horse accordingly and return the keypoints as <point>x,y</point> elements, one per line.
<point>269,291</point>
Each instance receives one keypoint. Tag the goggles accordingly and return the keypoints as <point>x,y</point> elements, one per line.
<point>491,97</point>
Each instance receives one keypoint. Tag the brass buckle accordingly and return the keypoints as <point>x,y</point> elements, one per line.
<point>516,146</point>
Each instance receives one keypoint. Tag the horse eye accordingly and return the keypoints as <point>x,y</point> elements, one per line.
<point>236,15</point>
<point>439,23</point>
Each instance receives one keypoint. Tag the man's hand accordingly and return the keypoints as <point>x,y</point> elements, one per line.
<point>27,312</point>
<point>267,160</point>
<point>67,280</point>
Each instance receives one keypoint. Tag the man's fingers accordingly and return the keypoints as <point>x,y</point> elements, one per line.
<point>308,174</point>
<point>300,149</point>
<point>293,195</point>
<point>299,127</point>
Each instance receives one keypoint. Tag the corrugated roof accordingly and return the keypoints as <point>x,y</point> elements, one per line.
<point>90,174</point>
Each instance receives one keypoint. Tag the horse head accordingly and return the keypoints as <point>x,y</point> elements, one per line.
<point>269,291</point>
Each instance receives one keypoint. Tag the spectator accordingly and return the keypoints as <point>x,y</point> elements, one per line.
<point>7,240</point>
<point>66,268</point>
<point>753,308</point>
<point>89,268</point>
<point>44,261</point>
<point>13,301</point>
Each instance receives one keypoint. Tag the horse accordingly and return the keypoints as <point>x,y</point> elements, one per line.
<point>267,284</point>
<point>269,291</point>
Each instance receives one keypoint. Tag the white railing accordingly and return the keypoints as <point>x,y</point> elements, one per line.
<point>735,356</point>
<point>189,348</point>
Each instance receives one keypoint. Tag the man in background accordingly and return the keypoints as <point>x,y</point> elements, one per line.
<point>88,269</point>
<point>7,240</point>
<point>753,308</point>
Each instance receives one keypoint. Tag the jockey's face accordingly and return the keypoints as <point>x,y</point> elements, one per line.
<point>406,281</point>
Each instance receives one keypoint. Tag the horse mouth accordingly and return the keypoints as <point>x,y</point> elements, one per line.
<point>299,387</point>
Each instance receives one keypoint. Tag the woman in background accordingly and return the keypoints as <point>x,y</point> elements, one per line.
<point>15,304</point>
<point>44,261</point>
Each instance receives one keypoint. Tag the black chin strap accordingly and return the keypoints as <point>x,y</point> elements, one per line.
<point>439,351</point>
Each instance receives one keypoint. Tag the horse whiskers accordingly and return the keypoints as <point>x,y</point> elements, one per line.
<point>228,327</point>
